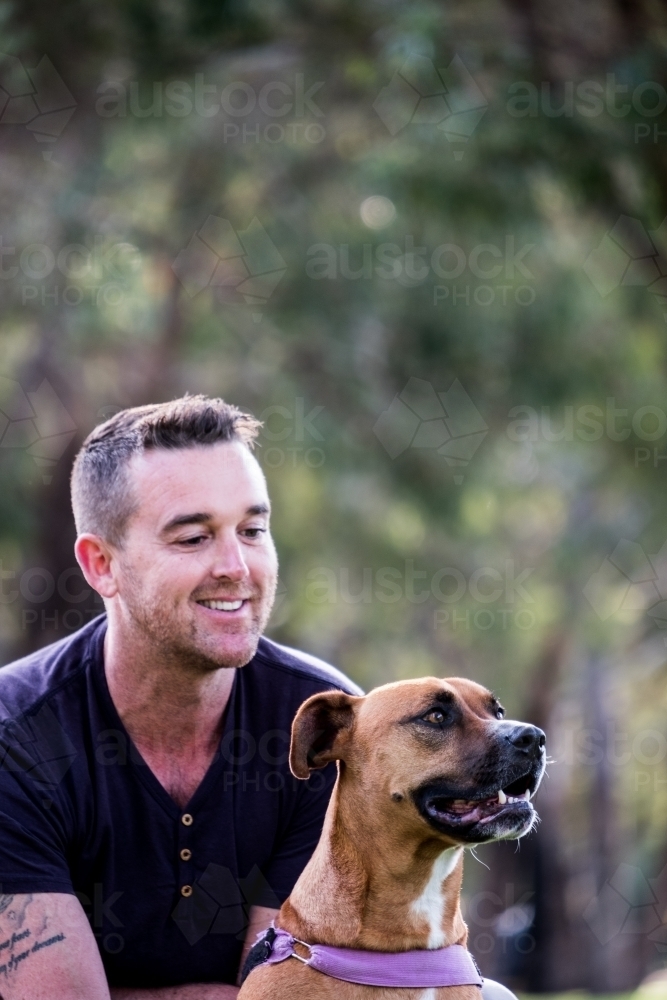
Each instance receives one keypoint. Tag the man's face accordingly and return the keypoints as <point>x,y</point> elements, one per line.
<point>198,569</point>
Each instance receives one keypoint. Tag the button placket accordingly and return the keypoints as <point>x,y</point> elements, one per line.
<point>185,869</point>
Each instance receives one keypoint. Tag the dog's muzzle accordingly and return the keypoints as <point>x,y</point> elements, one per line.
<point>497,804</point>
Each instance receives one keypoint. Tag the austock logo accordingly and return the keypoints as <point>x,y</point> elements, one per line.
<point>36,422</point>
<point>220,903</point>
<point>631,256</point>
<point>629,903</point>
<point>39,747</point>
<point>629,583</point>
<point>37,98</point>
<point>447,422</point>
<point>419,94</point>
<point>238,266</point>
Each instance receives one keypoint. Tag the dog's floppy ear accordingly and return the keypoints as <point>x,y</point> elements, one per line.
<point>320,731</point>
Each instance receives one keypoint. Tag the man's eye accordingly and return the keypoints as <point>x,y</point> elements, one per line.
<point>253,532</point>
<point>192,542</point>
<point>435,717</point>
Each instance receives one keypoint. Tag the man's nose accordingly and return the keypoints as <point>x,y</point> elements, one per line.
<point>526,738</point>
<point>229,561</point>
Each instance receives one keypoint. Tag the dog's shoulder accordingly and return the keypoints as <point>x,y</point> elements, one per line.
<point>306,666</point>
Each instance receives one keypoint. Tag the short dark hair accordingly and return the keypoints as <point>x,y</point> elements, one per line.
<point>102,497</point>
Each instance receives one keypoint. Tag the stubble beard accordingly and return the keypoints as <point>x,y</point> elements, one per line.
<point>181,642</point>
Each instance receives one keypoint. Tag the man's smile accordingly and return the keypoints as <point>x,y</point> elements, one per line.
<point>222,605</point>
<point>229,607</point>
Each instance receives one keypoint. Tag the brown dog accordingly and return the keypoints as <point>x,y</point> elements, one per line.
<point>426,768</point>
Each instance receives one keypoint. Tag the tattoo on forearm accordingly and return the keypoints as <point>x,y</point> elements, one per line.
<point>19,956</point>
<point>14,939</point>
<point>17,945</point>
<point>12,909</point>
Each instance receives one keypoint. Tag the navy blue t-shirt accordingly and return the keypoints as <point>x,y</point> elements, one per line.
<point>167,890</point>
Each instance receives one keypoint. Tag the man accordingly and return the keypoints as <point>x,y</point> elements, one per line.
<point>148,820</point>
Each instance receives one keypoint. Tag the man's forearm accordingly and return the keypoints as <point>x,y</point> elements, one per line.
<point>193,991</point>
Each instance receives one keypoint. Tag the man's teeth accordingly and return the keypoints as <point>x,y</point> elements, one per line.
<point>502,798</point>
<point>222,605</point>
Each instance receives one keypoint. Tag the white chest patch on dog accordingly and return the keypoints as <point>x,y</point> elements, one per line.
<point>429,906</point>
<point>429,995</point>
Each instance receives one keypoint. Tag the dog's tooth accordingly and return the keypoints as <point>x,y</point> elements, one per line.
<point>502,798</point>
<point>526,795</point>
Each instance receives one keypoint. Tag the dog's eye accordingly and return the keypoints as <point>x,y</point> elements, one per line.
<point>436,717</point>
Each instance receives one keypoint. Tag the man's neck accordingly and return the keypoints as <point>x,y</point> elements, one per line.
<point>168,708</point>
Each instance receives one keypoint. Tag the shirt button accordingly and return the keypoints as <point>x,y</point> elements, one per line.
<point>186,890</point>
<point>186,819</point>
<point>186,854</point>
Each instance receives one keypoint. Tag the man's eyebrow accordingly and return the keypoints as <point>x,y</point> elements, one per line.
<point>178,522</point>
<point>204,518</point>
<point>258,508</point>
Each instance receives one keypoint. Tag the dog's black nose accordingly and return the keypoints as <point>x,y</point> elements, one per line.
<point>527,738</point>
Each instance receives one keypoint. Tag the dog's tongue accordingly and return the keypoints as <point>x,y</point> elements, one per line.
<point>471,808</point>
<point>461,805</point>
<point>468,810</point>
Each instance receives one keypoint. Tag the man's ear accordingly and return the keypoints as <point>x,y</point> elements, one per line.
<point>95,557</point>
<point>320,731</point>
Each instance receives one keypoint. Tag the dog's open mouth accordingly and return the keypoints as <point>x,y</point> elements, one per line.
<point>510,805</point>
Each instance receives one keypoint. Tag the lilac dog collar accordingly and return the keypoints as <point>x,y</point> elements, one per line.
<point>451,966</point>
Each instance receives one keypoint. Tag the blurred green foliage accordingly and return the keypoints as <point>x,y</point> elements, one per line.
<point>295,115</point>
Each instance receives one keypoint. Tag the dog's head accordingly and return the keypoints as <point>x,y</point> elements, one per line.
<point>438,753</point>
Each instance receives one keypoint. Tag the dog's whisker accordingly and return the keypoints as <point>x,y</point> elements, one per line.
<point>472,851</point>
